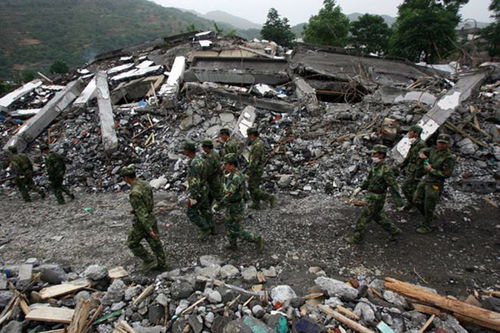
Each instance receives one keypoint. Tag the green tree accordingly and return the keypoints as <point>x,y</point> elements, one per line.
<point>492,32</point>
<point>277,29</point>
<point>425,29</point>
<point>26,76</point>
<point>329,27</point>
<point>369,33</point>
<point>218,30</point>
<point>59,67</point>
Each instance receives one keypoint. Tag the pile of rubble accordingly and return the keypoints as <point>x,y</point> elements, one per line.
<point>221,298</point>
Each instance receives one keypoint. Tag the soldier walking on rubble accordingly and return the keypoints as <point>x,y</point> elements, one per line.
<point>213,170</point>
<point>229,145</point>
<point>233,202</point>
<point>438,163</point>
<point>198,210</point>
<point>23,168</point>
<point>379,179</point>
<point>144,225</point>
<point>56,168</point>
<point>413,165</point>
<point>255,169</point>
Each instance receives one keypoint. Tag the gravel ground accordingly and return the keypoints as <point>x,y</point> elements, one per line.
<point>300,232</point>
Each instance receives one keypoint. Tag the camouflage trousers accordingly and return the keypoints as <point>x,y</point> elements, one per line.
<point>426,198</point>
<point>232,222</point>
<point>56,184</point>
<point>25,184</point>
<point>201,214</point>
<point>409,187</point>
<point>136,234</point>
<point>373,211</point>
<point>214,190</point>
<point>256,193</point>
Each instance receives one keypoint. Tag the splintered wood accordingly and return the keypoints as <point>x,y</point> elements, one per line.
<point>51,315</point>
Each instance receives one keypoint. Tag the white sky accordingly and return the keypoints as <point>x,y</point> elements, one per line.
<point>299,11</point>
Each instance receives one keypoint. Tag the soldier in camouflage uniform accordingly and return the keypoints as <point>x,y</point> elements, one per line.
<point>412,165</point>
<point>438,163</point>
<point>56,168</point>
<point>23,169</point>
<point>144,224</point>
<point>233,202</point>
<point>213,170</point>
<point>379,179</point>
<point>255,169</point>
<point>198,211</point>
<point>229,145</point>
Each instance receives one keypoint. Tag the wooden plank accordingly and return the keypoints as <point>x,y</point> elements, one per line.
<point>51,315</point>
<point>62,330</point>
<point>117,272</point>
<point>63,289</point>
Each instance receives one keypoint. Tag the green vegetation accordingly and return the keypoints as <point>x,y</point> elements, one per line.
<point>329,27</point>
<point>277,29</point>
<point>492,32</point>
<point>370,34</point>
<point>59,67</point>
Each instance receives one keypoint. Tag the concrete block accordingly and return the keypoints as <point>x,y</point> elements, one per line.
<point>109,139</point>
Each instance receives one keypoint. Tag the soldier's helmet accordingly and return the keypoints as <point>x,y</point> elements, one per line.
<point>252,130</point>
<point>416,128</point>
<point>380,149</point>
<point>189,146</point>
<point>231,158</point>
<point>12,149</point>
<point>128,171</point>
<point>225,131</point>
<point>207,143</point>
<point>443,138</point>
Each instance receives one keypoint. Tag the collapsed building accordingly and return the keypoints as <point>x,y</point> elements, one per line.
<point>319,110</point>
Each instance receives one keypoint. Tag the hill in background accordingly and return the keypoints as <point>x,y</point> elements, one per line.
<point>236,21</point>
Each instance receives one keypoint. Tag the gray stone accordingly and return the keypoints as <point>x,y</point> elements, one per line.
<point>297,302</point>
<point>96,272</point>
<point>247,324</point>
<point>183,304</point>
<point>132,292</point>
<point>214,297</point>
<point>196,323</point>
<point>209,319</point>
<point>115,293</point>
<point>467,147</point>
<point>82,295</point>
<point>258,311</point>
<point>395,299</point>
<point>219,323</point>
<point>5,296</point>
<point>271,272</point>
<point>229,272</point>
<point>209,260</point>
<point>154,329</point>
<point>365,310</point>
<point>158,182</point>
<point>333,302</point>
<point>285,181</point>
<point>118,306</point>
<point>211,271</point>
<point>181,289</point>
<point>282,294</point>
<point>451,324</point>
<point>13,326</point>
<point>249,273</point>
<point>156,313</point>
<point>336,288</point>
<point>162,299</point>
<point>186,123</point>
<point>171,275</point>
<point>51,273</point>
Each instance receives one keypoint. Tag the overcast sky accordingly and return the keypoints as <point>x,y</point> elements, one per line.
<point>299,11</point>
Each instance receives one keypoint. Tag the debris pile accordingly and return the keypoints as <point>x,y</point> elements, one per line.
<point>217,297</point>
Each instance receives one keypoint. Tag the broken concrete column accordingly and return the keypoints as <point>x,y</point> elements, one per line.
<point>443,109</point>
<point>87,94</point>
<point>306,94</point>
<point>245,121</point>
<point>13,96</point>
<point>109,139</point>
<point>37,124</point>
<point>170,90</point>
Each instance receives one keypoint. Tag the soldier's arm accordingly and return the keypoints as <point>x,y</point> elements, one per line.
<point>446,168</point>
<point>141,211</point>
<point>390,180</point>
<point>256,156</point>
<point>232,188</point>
<point>424,151</point>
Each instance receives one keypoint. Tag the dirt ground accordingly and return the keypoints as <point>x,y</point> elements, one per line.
<point>299,232</point>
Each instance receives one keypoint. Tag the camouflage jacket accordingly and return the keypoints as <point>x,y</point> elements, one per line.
<point>229,147</point>
<point>412,163</point>
<point>379,179</point>
<point>196,177</point>
<point>213,167</point>
<point>257,158</point>
<point>442,162</point>
<point>141,200</point>
<point>234,187</point>
<point>55,165</point>
<point>21,165</point>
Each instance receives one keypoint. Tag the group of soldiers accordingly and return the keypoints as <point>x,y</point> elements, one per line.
<point>23,169</point>
<point>425,168</point>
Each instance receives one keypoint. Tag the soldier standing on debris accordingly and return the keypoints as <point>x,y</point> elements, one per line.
<point>379,179</point>
<point>23,169</point>
<point>213,170</point>
<point>198,210</point>
<point>255,169</point>
<point>144,224</point>
<point>230,146</point>
<point>438,165</point>
<point>56,168</point>
<point>412,165</point>
<point>233,202</point>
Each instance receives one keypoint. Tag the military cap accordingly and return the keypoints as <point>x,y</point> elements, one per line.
<point>444,138</point>
<point>379,149</point>
<point>12,149</point>
<point>231,158</point>
<point>252,130</point>
<point>127,171</point>
<point>189,146</point>
<point>43,146</point>
<point>225,131</point>
<point>207,143</point>
<point>416,128</point>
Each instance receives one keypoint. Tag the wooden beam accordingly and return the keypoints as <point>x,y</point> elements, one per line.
<point>344,320</point>
<point>347,312</point>
<point>427,309</point>
<point>51,315</point>
<point>145,293</point>
<point>427,324</point>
